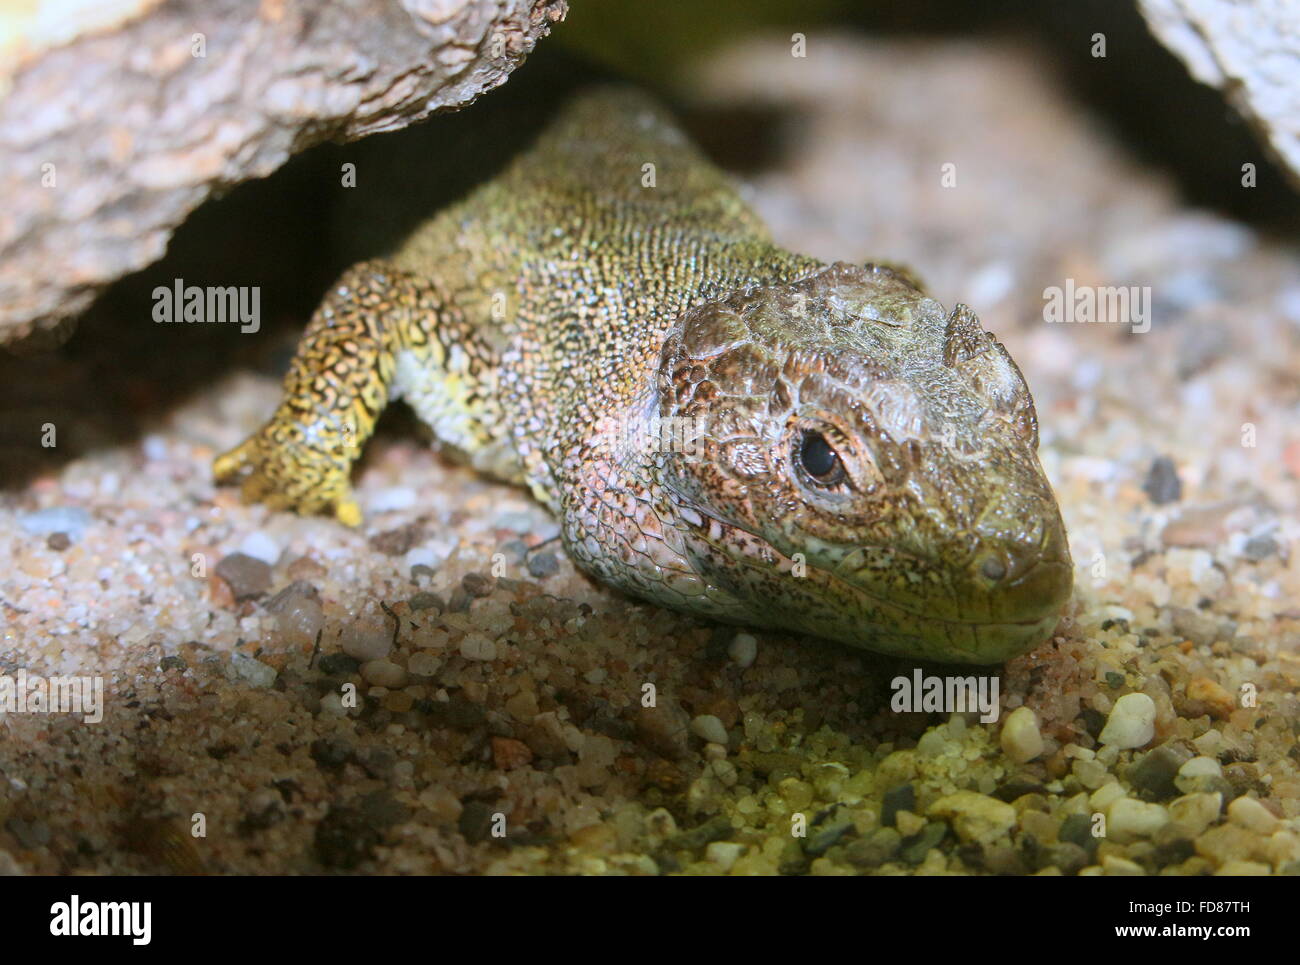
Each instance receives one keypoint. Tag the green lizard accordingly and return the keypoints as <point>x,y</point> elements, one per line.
<point>842,457</point>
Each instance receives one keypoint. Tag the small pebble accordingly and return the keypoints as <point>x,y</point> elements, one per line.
<point>743,650</point>
<point>709,727</point>
<point>542,565</point>
<point>1021,739</point>
<point>383,673</point>
<point>1132,722</point>
<point>247,576</point>
<point>423,663</point>
<point>71,520</point>
<point>253,672</point>
<point>1128,819</point>
<point>1162,484</point>
<point>366,641</point>
<point>475,646</point>
<point>975,817</point>
<point>261,547</point>
<point>1246,812</point>
<point>1196,812</point>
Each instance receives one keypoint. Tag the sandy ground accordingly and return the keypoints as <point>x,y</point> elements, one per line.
<point>498,724</point>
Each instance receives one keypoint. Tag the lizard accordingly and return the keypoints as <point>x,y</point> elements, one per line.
<point>721,426</point>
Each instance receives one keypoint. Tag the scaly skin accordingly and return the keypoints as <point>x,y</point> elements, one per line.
<point>857,463</point>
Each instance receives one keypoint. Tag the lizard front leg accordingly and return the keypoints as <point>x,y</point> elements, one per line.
<point>339,381</point>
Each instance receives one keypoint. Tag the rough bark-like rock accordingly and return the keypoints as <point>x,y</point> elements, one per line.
<point>118,119</point>
<point>1250,50</point>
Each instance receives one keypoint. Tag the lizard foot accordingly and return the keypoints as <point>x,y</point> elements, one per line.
<point>285,474</point>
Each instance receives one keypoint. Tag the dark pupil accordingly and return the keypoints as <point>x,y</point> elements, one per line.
<point>817,456</point>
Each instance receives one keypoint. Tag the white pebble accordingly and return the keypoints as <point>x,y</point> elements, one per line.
<point>253,672</point>
<point>261,547</point>
<point>1022,741</point>
<point>1196,812</point>
<point>72,520</point>
<point>394,497</point>
<point>422,663</point>
<point>1246,812</point>
<point>709,728</point>
<point>422,556</point>
<point>366,641</point>
<point>383,673</point>
<point>476,646</point>
<point>1127,819</point>
<point>1201,767</point>
<point>743,650</point>
<point>724,853</point>
<point>1132,722</point>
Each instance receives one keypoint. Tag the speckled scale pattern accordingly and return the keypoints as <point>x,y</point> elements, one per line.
<point>609,277</point>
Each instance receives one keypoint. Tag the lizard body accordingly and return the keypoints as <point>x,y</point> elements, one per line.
<point>841,457</point>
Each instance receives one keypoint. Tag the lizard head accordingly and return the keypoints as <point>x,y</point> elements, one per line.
<point>866,468</point>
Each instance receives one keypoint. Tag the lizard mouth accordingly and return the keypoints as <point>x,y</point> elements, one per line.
<point>854,612</point>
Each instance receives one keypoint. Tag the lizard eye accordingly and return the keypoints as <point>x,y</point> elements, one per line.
<point>821,462</point>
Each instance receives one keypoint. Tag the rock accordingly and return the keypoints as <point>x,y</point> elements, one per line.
<point>826,838</point>
<point>331,753</point>
<point>247,576</point>
<point>1225,843</point>
<point>975,817</point>
<point>1162,484</point>
<point>476,646</point>
<point>1077,829</point>
<point>69,520</point>
<point>252,672</point>
<point>399,541</point>
<point>366,640</point>
<point>298,612</point>
<point>424,663</point>
<point>743,650</point>
<point>1114,865</point>
<point>915,849</point>
<point>1243,869</point>
<point>476,821</point>
<point>1246,812</point>
<point>345,837</point>
<point>724,854</point>
<point>901,798</point>
<point>1153,776</point>
<point>508,753</point>
<point>875,849</point>
<point>260,546</point>
<point>1132,722</point>
<point>1202,527</point>
<point>424,600</point>
<point>542,565</point>
<point>1196,812</point>
<point>478,584</point>
<point>709,728</point>
<point>1259,548</point>
<point>1128,820</point>
<point>1195,625</point>
<point>1021,739</point>
<point>1237,48</point>
<point>383,673</point>
<point>1198,774</point>
<point>1217,701</point>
